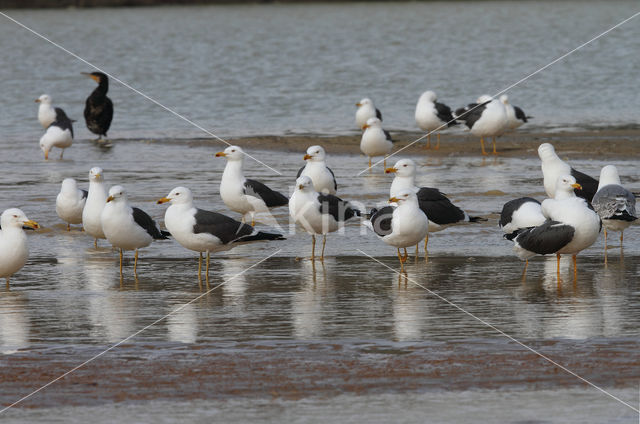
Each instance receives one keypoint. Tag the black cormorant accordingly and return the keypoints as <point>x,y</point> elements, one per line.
<point>98,110</point>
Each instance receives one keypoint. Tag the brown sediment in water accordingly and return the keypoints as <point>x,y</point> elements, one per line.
<point>297,370</point>
<point>601,143</point>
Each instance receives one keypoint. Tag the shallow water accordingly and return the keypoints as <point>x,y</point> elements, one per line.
<point>279,69</point>
<point>270,309</point>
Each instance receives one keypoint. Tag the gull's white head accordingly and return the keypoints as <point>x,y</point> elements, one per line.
<point>372,123</point>
<point>117,193</point>
<point>15,218</point>
<point>609,175</point>
<point>428,96</point>
<point>69,185</point>
<point>504,99</point>
<point>364,102</point>
<point>403,168</point>
<point>304,183</point>
<point>565,185</point>
<point>315,154</point>
<point>546,151</point>
<point>44,99</point>
<point>404,196</point>
<point>484,98</point>
<point>95,174</point>
<point>232,153</point>
<point>179,195</point>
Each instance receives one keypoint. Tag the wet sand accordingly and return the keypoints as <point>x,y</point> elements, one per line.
<point>594,143</point>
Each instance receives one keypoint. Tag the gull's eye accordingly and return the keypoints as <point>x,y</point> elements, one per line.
<point>405,165</point>
<point>15,216</point>
<point>177,194</point>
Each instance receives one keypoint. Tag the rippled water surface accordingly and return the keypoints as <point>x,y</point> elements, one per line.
<point>265,343</point>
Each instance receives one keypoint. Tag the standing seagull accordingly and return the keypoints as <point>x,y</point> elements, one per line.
<point>438,208</point>
<point>128,228</point>
<point>318,213</point>
<point>46,112</point>
<point>518,215</point>
<point>243,195</point>
<point>553,167</point>
<point>322,176</point>
<point>205,231</point>
<point>615,205</point>
<point>375,141</point>
<point>485,118</point>
<point>13,241</point>
<point>59,134</point>
<point>70,202</point>
<point>571,226</point>
<point>432,116</point>
<point>366,110</point>
<point>98,110</point>
<point>96,199</point>
<point>402,226</point>
<point>515,116</point>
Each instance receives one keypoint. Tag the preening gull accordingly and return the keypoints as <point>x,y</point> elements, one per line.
<point>485,118</point>
<point>324,181</point>
<point>13,241</point>
<point>401,226</point>
<point>571,226</point>
<point>518,215</point>
<point>128,228</point>
<point>438,208</point>
<point>515,116</point>
<point>98,109</point>
<point>70,202</point>
<point>433,116</point>
<point>46,112</point>
<point>96,200</point>
<point>58,134</point>
<point>615,205</point>
<point>366,110</point>
<point>204,231</point>
<point>375,141</point>
<point>318,213</point>
<point>553,167</point>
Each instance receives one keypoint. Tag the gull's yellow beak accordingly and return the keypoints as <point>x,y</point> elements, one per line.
<point>576,185</point>
<point>307,157</point>
<point>110,198</point>
<point>365,126</point>
<point>358,104</point>
<point>393,200</point>
<point>163,200</point>
<point>37,100</point>
<point>390,170</point>
<point>220,154</point>
<point>301,187</point>
<point>31,224</point>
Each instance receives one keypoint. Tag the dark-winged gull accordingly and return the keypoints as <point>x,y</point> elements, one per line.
<point>59,134</point>
<point>324,181</point>
<point>553,167</point>
<point>485,118</point>
<point>375,141</point>
<point>433,116</point>
<point>366,110</point>
<point>70,202</point>
<point>515,116</point>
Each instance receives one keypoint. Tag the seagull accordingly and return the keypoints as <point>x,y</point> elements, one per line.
<point>615,205</point>
<point>96,199</point>
<point>375,141</point>
<point>432,116</point>
<point>553,167</point>
<point>402,226</point>
<point>485,118</point>
<point>518,215</point>
<point>128,228</point>
<point>571,226</point>
<point>70,202</point>
<point>324,180</point>
<point>98,110</point>
<point>243,195</point>
<point>366,110</point>
<point>438,208</point>
<point>58,134</point>
<point>13,241</point>
<point>46,112</point>
<point>318,213</point>
<point>515,116</point>
<point>205,231</point>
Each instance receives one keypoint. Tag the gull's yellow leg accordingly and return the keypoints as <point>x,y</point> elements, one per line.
<point>121,262</point>
<point>494,146</point>
<point>313,247</point>
<point>401,261</point>
<point>428,145</point>
<point>200,266</point>
<point>324,241</point>
<point>135,263</point>
<point>484,153</point>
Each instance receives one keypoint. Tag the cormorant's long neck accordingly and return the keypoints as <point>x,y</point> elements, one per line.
<point>102,88</point>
